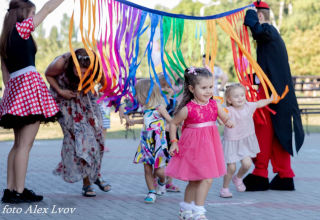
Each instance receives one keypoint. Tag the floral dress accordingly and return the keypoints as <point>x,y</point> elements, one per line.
<point>83,143</point>
<point>153,143</point>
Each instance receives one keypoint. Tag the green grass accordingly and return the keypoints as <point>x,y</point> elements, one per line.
<point>117,131</point>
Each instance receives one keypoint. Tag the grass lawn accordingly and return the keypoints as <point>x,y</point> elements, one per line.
<point>117,131</point>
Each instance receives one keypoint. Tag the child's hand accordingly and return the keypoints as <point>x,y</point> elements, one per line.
<point>253,8</point>
<point>174,149</point>
<point>129,122</point>
<point>229,124</point>
<point>271,97</point>
<point>220,121</point>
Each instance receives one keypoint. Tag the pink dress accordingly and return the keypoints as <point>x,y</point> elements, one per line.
<point>200,151</point>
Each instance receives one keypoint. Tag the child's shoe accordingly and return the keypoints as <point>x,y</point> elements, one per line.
<point>161,188</point>
<point>151,197</point>
<point>185,215</point>
<point>172,188</point>
<point>239,184</point>
<point>199,216</point>
<point>225,193</point>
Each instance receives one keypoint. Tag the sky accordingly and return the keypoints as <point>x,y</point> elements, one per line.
<point>67,7</point>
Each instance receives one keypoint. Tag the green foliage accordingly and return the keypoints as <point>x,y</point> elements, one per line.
<point>56,44</point>
<point>304,51</point>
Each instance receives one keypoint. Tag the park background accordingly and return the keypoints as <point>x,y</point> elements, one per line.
<point>297,21</point>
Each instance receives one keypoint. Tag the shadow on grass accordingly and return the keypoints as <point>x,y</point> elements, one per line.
<point>120,134</point>
<point>47,133</point>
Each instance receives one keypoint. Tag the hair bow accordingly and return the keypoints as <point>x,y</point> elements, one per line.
<point>192,70</point>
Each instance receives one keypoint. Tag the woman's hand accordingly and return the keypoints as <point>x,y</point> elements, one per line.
<point>67,94</point>
<point>174,149</point>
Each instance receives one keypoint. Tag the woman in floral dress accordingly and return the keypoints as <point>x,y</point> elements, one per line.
<point>83,143</point>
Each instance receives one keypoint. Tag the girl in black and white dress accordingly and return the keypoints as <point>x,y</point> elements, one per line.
<point>26,101</point>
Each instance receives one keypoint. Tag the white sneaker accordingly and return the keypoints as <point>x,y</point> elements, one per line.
<point>199,216</point>
<point>185,215</point>
<point>161,190</point>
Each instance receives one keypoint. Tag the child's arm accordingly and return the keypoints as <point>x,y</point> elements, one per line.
<point>224,117</point>
<point>263,102</point>
<point>138,121</point>
<point>175,122</point>
<point>164,113</point>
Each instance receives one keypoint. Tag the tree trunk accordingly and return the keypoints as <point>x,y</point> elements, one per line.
<point>281,8</point>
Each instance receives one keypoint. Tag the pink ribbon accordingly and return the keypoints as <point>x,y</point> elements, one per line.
<point>201,125</point>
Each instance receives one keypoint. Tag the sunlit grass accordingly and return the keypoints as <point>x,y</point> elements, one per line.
<point>117,131</point>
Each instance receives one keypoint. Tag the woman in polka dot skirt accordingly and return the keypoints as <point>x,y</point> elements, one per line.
<point>26,101</point>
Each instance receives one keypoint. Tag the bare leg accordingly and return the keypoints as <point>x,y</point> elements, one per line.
<point>11,182</point>
<point>148,174</point>
<point>231,169</point>
<point>86,182</point>
<point>26,138</point>
<point>190,192</point>
<point>202,191</point>
<point>245,166</point>
<point>169,180</point>
<point>159,172</point>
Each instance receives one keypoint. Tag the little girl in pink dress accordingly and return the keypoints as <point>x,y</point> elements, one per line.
<point>240,142</point>
<point>198,155</point>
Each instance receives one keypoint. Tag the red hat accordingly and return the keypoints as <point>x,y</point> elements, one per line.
<point>261,5</point>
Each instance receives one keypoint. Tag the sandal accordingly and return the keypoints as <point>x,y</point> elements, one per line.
<point>103,185</point>
<point>172,188</point>
<point>200,217</point>
<point>88,191</point>
<point>150,198</point>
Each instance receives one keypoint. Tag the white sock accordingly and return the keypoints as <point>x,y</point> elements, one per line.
<point>199,209</point>
<point>186,206</point>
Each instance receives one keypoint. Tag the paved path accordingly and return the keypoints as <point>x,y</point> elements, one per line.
<point>125,201</point>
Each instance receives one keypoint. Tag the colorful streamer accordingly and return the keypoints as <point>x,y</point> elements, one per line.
<point>114,28</point>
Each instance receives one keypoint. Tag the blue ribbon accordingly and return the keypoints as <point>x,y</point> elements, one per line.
<point>182,16</point>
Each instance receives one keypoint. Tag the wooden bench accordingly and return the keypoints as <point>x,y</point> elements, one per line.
<point>307,89</point>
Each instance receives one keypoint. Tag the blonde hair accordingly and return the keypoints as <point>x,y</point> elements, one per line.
<point>142,90</point>
<point>229,89</point>
<point>163,81</point>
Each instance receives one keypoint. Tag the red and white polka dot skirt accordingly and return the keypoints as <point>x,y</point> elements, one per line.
<point>27,95</point>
